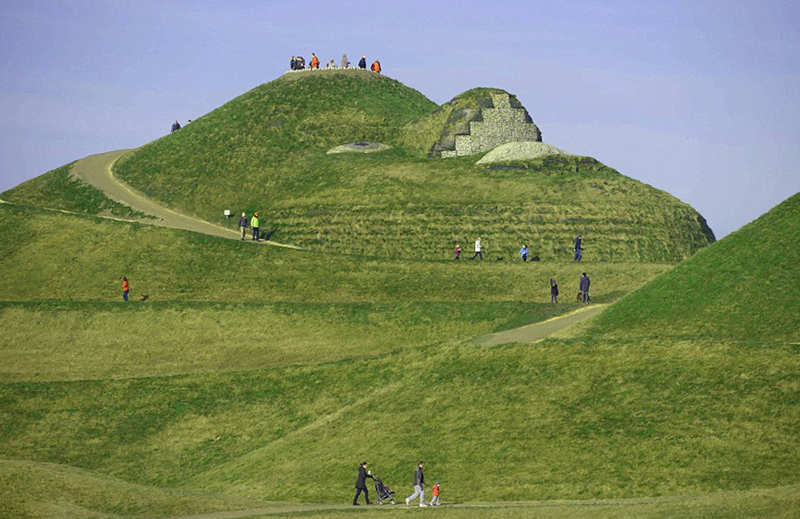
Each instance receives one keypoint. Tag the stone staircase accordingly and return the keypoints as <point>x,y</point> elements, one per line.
<point>499,125</point>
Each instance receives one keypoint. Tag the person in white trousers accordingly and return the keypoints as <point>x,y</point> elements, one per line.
<point>419,486</point>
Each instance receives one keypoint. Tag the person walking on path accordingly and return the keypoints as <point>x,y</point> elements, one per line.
<point>478,249</point>
<point>254,225</point>
<point>243,224</point>
<point>126,287</point>
<point>376,67</point>
<point>523,252</point>
<point>362,63</point>
<point>553,291</point>
<point>458,252</point>
<point>345,63</point>
<point>314,61</point>
<point>578,249</point>
<point>419,486</point>
<point>435,498</point>
<point>175,126</point>
<point>584,287</point>
<point>361,483</point>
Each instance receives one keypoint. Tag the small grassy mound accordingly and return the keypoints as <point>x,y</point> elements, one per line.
<point>45,490</point>
<point>519,152</point>
<point>741,289</point>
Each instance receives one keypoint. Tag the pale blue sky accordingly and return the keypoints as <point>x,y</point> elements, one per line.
<point>701,99</point>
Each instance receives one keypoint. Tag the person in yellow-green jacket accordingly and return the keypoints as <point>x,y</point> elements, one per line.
<point>254,225</point>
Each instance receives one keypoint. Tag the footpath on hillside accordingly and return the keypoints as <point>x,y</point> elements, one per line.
<point>538,331</point>
<point>96,170</point>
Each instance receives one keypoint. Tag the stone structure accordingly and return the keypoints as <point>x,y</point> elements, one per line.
<point>500,124</point>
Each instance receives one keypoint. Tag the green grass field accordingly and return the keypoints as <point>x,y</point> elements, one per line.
<point>255,375</point>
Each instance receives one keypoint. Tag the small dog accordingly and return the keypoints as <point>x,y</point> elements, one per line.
<point>579,299</point>
<point>144,297</point>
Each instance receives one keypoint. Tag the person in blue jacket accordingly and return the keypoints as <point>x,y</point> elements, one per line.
<point>578,249</point>
<point>523,252</point>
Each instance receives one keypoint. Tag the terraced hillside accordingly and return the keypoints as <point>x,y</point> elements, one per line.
<point>252,367</point>
<point>266,150</point>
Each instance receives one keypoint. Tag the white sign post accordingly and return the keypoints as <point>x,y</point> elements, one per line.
<point>227,213</point>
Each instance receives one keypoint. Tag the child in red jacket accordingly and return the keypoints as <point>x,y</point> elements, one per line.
<point>435,498</point>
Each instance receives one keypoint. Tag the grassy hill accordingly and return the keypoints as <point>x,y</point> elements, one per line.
<point>236,383</point>
<point>740,289</point>
<point>266,150</point>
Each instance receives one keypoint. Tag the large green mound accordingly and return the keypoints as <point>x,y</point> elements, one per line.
<point>266,151</point>
<point>739,289</point>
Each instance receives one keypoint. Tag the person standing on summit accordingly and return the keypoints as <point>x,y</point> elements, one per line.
<point>361,483</point>
<point>314,61</point>
<point>254,225</point>
<point>419,486</point>
<point>376,67</point>
<point>176,126</point>
<point>362,63</point>
<point>345,63</point>
<point>578,249</point>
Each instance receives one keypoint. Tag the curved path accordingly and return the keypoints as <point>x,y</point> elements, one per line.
<point>96,170</point>
<point>538,331</point>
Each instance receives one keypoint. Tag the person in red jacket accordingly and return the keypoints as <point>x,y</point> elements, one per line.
<point>376,67</point>
<point>125,288</point>
<point>314,61</point>
<point>435,498</point>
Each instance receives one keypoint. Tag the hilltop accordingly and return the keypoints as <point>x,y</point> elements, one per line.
<point>267,150</point>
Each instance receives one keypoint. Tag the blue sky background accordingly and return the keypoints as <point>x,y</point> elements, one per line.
<point>699,98</point>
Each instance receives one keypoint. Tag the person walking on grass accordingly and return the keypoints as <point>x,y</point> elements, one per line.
<point>362,63</point>
<point>458,252</point>
<point>478,249</point>
<point>584,287</point>
<point>578,249</point>
<point>344,63</point>
<point>361,483</point>
<point>126,287</point>
<point>523,252</point>
<point>254,225</point>
<point>553,291</point>
<point>175,126</point>
<point>314,61</point>
<point>419,486</point>
<point>243,224</point>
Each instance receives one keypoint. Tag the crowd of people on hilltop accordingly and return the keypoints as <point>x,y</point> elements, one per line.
<point>299,63</point>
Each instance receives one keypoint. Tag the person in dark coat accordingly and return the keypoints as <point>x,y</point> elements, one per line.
<point>584,287</point>
<point>553,291</point>
<point>578,249</point>
<point>176,126</point>
<point>293,63</point>
<point>419,486</point>
<point>361,483</point>
<point>362,63</point>
<point>243,224</point>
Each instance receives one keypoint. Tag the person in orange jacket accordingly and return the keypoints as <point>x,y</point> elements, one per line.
<point>435,498</point>
<point>125,288</point>
<point>376,67</point>
<point>314,61</point>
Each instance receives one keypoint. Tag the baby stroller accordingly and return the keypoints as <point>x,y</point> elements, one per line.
<point>384,494</point>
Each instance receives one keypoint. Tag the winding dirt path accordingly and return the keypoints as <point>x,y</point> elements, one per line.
<point>538,331</point>
<point>96,170</point>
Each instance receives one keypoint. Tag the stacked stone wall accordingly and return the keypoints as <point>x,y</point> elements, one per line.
<point>498,125</point>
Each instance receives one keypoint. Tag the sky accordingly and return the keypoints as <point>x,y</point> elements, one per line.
<point>698,98</point>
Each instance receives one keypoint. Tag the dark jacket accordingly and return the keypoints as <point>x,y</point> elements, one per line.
<point>242,221</point>
<point>293,64</point>
<point>419,477</point>
<point>578,244</point>
<point>584,284</point>
<point>176,127</point>
<point>554,290</point>
<point>361,482</point>
<point>362,63</point>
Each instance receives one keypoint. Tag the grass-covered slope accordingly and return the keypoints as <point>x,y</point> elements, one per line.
<point>267,150</point>
<point>58,189</point>
<point>740,289</point>
<point>45,490</point>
